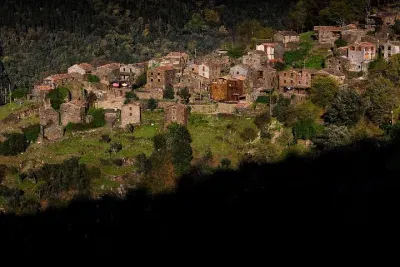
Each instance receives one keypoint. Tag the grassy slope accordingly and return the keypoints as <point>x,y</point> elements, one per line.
<point>206,131</point>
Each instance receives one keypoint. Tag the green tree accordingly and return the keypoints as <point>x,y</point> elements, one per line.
<point>333,137</point>
<point>340,43</point>
<point>19,93</point>
<point>306,129</point>
<point>346,109</point>
<point>381,99</point>
<point>323,91</point>
<point>196,23</point>
<point>93,78</point>
<point>211,16</point>
<point>177,143</point>
<point>284,111</point>
<point>262,122</point>
<point>169,92</point>
<point>235,51</point>
<point>131,96</point>
<point>140,81</point>
<point>115,148</point>
<point>142,163</point>
<point>15,143</point>
<point>58,97</point>
<point>248,134</point>
<point>184,94</point>
<point>152,104</point>
<point>225,163</point>
<point>98,117</point>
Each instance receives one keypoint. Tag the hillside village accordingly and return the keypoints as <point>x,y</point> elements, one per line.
<point>234,108</point>
<point>216,83</point>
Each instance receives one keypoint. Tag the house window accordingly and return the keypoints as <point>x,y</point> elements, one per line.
<point>130,114</point>
<point>291,75</point>
<point>284,74</point>
<point>158,74</point>
<point>130,108</point>
<point>192,69</point>
<point>151,80</point>
<point>237,72</point>
<point>151,73</point>
<point>159,80</point>
<point>204,68</point>
<point>174,114</point>
<point>284,81</point>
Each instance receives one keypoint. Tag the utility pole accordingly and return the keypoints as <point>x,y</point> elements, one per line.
<point>392,117</point>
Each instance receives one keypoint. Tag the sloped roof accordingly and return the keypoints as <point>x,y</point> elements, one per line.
<point>176,55</point>
<point>86,66</point>
<point>288,33</point>
<point>113,66</point>
<point>333,72</point>
<point>327,28</point>
<point>57,77</point>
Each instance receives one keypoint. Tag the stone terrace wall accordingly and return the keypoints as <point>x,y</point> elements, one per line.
<point>203,109</point>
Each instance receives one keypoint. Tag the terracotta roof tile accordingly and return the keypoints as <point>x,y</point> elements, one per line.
<point>86,66</point>
<point>327,28</point>
<point>57,77</point>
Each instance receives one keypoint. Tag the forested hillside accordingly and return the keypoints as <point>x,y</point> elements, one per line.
<point>46,36</point>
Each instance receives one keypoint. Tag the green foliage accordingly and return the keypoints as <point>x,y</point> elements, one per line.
<point>177,143</point>
<point>333,137</point>
<point>396,27</point>
<point>295,58</point>
<point>284,111</point>
<point>98,117</point>
<point>235,51</point>
<point>346,109</point>
<point>248,134</point>
<point>131,95</point>
<point>184,94</point>
<point>105,138</point>
<point>115,148</point>
<point>32,132</point>
<point>196,23</point>
<point>169,92</point>
<point>382,98</point>
<point>54,179</point>
<point>340,43</point>
<point>19,93</point>
<point>263,99</point>
<point>142,163</point>
<point>93,78</point>
<point>16,143</point>
<point>225,163</point>
<point>323,91</point>
<point>252,30</point>
<point>306,129</point>
<point>140,81</point>
<point>279,66</point>
<point>3,170</point>
<point>58,96</point>
<point>152,104</point>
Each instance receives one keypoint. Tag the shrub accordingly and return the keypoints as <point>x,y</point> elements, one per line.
<point>131,95</point>
<point>16,143</point>
<point>98,117</point>
<point>225,163</point>
<point>105,138</point>
<point>58,96</point>
<point>248,134</point>
<point>169,92</point>
<point>32,132</point>
<point>93,78</point>
<point>340,43</point>
<point>152,104</point>
<point>19,93</point>
<point>306,129</point>
<point>115,148</point>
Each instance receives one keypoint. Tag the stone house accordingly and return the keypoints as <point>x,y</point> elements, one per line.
<point>60,79</point>
<point>156,93</point>
<point>176,113</point>
<point>360,54</point>
<point>50,128</point>
<point>131,114</point>
<point>40,91</point>
<point>327,34</point>
<point>177,59</point>
<point>265,78</point>
<point>108,73</point>
<point>227,89</point>
<point>287,37</point>
<point>209,70</point>
<point>255,59</point>
<point>194,82</point>
<point>340,63</point>
<point>130,72</point>
<point>389,49</point>
<point>295,79</point>
<point>354,35</point>
<point>274,51</point>
<point>335,74</point>
<point>161,77</point>
<point>241,70</point>
<point>83,69</point>
<point>74,112</point>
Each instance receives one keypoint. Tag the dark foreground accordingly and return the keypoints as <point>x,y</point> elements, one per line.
<point>356,185</point>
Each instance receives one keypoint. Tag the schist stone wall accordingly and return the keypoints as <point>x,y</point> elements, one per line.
<point>74,113</point>
<point>130,114</point>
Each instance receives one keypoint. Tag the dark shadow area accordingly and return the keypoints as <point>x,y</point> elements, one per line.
<point>355,185</point>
